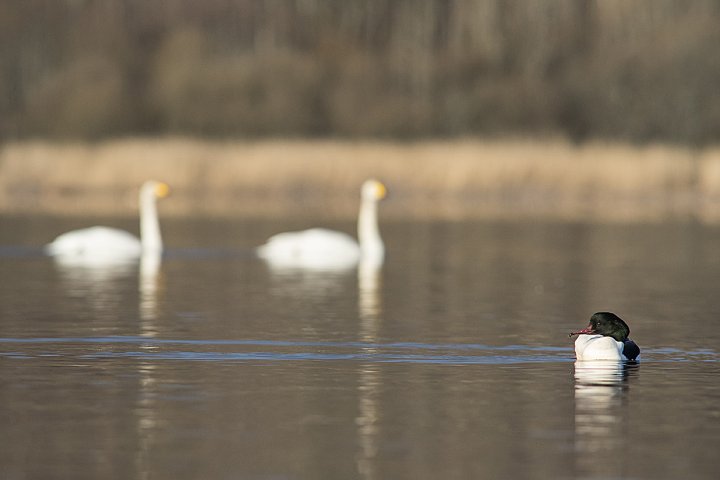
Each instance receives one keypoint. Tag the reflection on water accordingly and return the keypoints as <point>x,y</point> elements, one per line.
<point>147,424</point>
<point>100,285</point>
<point>297,282</point>
<point>369,377</point>
<point>149,280</point>
<point>147,410</point>
<point>601,389</point>
<point>369,302</point>
<point>450,360</point>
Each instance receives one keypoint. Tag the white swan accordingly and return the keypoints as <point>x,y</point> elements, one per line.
<point>319,248</point>
<point>105,245</point>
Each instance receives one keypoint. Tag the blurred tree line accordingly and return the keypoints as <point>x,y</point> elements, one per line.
<point>636,70</point>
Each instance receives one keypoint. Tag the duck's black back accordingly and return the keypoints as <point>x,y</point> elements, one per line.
<point>630,349</point>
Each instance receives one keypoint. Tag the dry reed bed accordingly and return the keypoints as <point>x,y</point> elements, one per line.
<point>452,179</point>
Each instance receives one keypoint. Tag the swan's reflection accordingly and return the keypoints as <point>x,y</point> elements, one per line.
<point>600,413</point>
<point>369,383</point>
<point>369,306</point>
<point>99,284</point>
<point>149,282</point>
<point>292,281</point>
<point>104,284</point>
<point>295,282</point>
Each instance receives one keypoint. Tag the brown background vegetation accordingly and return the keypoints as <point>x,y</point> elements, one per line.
<point>638,70</point>
<point>426,179</point>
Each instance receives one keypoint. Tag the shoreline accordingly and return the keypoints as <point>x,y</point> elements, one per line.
<point>454,179</point>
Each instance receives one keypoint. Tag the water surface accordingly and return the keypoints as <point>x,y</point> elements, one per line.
<point>452,361</point>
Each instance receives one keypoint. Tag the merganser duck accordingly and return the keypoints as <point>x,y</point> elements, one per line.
<point>605,338</point>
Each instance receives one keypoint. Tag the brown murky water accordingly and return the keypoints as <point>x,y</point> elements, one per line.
<point>452,361</point>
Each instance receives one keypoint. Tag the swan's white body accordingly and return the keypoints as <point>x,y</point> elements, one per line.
<point>319,248</point>
<point>96,242</point>
<point>598,347</point>
<point>105,245</point>
<point>314,248</point>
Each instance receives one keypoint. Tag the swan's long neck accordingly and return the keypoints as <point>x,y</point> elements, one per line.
<point>371,245</point>
<point>150,237</point>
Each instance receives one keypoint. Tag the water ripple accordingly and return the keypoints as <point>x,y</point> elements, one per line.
<point>312,356</point>
<point>146,348</point>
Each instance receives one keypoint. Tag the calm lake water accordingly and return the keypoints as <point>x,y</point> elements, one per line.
<point>451,362</point>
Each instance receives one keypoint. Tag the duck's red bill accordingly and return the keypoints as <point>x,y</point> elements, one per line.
<point>586,330</point>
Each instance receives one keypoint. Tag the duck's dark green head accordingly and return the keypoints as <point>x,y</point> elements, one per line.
<point>606,324</point>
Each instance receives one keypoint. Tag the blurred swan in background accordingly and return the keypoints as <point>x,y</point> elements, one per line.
<point>105,245</point>
<point>319,248</point>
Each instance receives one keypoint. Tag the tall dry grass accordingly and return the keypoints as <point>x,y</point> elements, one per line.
<point>451,179</point>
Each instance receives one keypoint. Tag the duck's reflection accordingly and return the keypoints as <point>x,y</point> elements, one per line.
<point>369,381</point>
<point>601,389</point>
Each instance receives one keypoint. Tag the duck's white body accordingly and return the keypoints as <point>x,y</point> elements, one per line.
<point>319,248</point>
<point>105,245</point>
<point>598,347</point>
